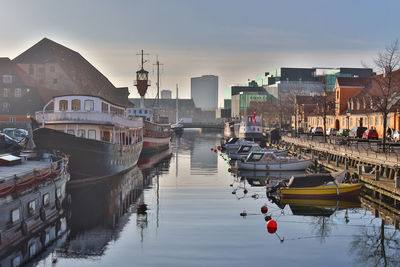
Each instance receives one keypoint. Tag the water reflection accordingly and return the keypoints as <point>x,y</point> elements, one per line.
<point>99,212</point>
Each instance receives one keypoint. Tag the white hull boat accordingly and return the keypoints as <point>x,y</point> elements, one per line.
<point>262,161</point>
<point>246,149</point>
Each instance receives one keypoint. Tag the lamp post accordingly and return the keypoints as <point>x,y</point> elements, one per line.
<point>348,117</point>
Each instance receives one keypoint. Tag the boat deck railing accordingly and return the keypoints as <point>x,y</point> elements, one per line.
<point>99,117</point>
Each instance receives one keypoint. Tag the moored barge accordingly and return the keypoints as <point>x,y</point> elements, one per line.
<point>98,135</point>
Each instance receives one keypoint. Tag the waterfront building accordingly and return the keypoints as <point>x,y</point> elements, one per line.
<point>52,65</point>
<point>186,107</point>
<point>241,102</point>
<point>166,94</point>
<point>355,104</point>
<point>204,92</point>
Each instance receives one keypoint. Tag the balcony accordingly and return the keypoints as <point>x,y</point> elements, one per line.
<point>84,117</point>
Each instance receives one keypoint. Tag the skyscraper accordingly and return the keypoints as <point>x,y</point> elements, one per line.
<point>204,91</point>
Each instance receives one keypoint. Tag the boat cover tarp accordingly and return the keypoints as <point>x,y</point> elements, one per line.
<point>310,180</point>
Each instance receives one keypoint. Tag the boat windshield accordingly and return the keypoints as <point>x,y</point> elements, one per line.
<point>255,157</point>
<point>232,140</point>
<point>244,149</point>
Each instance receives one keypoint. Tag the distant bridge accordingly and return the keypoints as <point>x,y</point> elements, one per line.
<point>203,125</point>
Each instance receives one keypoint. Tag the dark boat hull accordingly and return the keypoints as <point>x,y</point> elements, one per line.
<point>90,159</point>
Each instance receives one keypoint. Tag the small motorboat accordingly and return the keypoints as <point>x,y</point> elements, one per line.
<point>317,185</point>
<point>268,161</point>
<point>245,149</point>
<point>233,144</point>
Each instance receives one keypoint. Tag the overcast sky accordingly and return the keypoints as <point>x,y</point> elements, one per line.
<point>232,39</point>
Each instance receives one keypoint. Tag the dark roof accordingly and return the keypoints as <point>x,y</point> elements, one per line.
<point>20,78</point>
<point>352,81</point>
<point>86,78</point>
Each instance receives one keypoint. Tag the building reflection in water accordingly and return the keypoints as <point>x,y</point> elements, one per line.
<point>100,210</point>
<point>202,160</point>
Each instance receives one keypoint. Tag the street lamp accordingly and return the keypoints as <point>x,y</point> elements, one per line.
<point>348,117</point>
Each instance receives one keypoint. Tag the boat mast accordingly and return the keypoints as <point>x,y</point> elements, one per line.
<point>176,105</point>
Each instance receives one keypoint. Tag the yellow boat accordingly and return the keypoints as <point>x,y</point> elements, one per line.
<point>319,186</point>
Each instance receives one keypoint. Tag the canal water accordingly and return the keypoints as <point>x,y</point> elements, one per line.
<point>182,208</point>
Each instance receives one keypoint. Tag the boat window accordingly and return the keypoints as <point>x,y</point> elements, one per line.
<point>76,104</point>
<point>140,111</point>
<point>245,149</point>
<point>32,250</point>
<point>269,156</point>
<point>58,192</point>
<point>46,199</point>
<point>255,157</point>
<point>89,105</point>
<point>71,132</point>
<point>106,136</point>
<point>17,260</point>
<point>15,215</point>
<point>81,133</point>
<point>32,207</point>
<point>92,134</point>
<point>63,105</point>
<point>104,107</point>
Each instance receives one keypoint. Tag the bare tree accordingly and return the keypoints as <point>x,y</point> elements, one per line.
<point>388,84</point>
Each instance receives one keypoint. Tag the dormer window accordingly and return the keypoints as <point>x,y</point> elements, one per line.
<point>358,104</point>
<point>76,104</point>
<point>352,104</point>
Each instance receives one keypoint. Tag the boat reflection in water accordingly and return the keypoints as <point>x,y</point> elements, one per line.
<point>100,210</point>
<point>259,178</point>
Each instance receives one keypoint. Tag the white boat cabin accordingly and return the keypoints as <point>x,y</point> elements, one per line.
<point>92,118</point>
<point>249,126</point>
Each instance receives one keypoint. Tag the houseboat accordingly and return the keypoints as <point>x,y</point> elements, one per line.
<point>98,135</point>
<point>32,199</point>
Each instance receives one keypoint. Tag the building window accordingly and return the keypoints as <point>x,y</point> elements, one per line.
<point>52,69</point>
<point>32,207</point>
<point>46,199</point>
<point>71,132</point>
<point>32,250</point>
<point>388,121</point>
<point>31,69</point>
<point>7,79</point>
<point>6,92</point>
<point>41,69</point>
<point>13,119</point>
<point>89,105</point>
<point>351,121</point>
<point>54,81</point>
<point>15,215</point>
<point>371,121</point>
<point>76,104</point>
<point>18,92</point>
<point>92,134</point>
<point>376,121</point>
<point>81,133</point>
<point>104,107</point>
<point>6,107</point>
<point>63,105</point>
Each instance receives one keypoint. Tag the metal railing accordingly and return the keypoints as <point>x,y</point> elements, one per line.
<point>78,116</point>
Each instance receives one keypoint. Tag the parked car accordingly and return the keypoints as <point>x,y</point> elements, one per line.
<point>17,134</point>
<point>396,136</point>
<point>357,132</point>
<point>317,131</point>
<point>370,134</point>
<point>309,130</point>
<point>343,132</point>
<point>331,131</point>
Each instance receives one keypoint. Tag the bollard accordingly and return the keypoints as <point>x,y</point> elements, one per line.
<point>376,173</point>
<point>359,166</point>
<point>387,171</point>
<point>397,182</point>
<point>347,164</point>
<point>337,161</point>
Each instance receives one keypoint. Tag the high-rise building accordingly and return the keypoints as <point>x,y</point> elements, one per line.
<point>166,94</point>
<point>204,91</point>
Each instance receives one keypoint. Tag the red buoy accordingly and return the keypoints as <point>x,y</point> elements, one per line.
<point>264,209</point>
<point>267,218</point>
<point>229,169</point>
<point>219,147</point>
<point>212,149</point>
<point>272,226</point>
<point>215,151</point>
